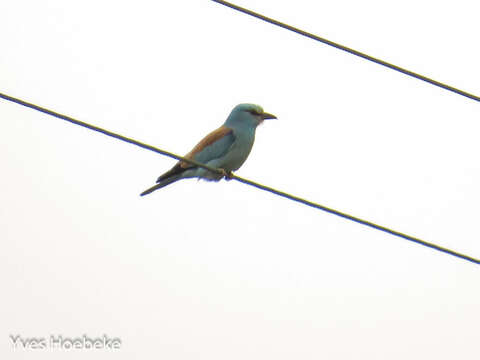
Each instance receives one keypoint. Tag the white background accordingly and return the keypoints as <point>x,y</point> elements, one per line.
<point>222,270</point>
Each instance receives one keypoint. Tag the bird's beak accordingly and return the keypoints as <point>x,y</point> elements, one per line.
<point>266,116</point>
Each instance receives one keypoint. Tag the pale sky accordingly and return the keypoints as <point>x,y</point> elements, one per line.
<point>202,270</point>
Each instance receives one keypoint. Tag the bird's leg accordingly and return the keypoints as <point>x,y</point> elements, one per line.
<point>228,175</point>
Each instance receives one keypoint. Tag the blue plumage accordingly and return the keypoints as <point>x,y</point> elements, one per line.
<point>226,148</point>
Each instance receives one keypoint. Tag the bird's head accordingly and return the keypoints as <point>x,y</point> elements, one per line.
<point>249,115</point>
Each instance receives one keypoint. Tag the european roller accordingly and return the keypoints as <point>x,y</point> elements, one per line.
<point>226,148</point>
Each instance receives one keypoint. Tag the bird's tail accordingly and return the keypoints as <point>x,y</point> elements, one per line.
<point>160,185</point>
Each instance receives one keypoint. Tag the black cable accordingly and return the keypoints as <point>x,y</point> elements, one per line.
<point>349,50</point>
<point>240,179</point>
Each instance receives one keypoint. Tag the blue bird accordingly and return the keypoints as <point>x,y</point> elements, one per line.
<point>226,148</point>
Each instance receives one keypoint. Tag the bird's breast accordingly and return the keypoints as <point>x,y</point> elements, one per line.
<point>239,151</point>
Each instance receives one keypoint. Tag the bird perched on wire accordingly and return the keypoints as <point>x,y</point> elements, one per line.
<point>226,148</point>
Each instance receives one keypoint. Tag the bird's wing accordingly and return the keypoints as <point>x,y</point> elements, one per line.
<point>213,146</point>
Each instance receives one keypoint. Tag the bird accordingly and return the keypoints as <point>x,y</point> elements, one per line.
<point>225,148</point>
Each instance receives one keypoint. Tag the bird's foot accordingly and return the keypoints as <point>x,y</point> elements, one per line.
<point>228,175</point>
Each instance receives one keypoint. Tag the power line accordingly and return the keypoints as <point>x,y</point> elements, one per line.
<point>347,49</point>
<point>242,180</point>
<point>105,132</point>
